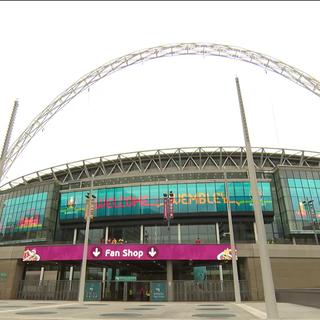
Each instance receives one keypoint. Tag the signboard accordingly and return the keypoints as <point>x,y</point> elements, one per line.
<point>3,276</point>
<point>116,252</point>
<point>126,278</point>
<point>158,291</point>
<point>92,291</point>
<point>200,273</point>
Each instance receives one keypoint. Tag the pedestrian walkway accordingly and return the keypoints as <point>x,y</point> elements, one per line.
<point>69,310</point>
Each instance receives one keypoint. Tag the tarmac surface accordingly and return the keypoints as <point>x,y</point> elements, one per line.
<point>71,310</point>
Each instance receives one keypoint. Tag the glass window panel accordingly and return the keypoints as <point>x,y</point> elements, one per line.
<point>101,194</point>
<point>317,183</point>
<point>182,188</point>
<point>311,183</point>
<point>307,193</point>
<point>154,192</point>
<point>110,193</point>
<point>145,192</point>
<point>238,188</point>
<point>220,187</point>
<point>305,183</point>
<point>135,191</point>
<point>313,193</point>
<point>174,189</point>
<point>246,189</point>
<point>192,191</point>
<point>298,183</point>
<point>291,183</point>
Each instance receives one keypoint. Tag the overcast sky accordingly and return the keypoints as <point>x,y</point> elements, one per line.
<point>185,101</point>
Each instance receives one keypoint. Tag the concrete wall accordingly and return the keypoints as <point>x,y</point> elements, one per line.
<point>11,265</point>
<point>293,267</point>
<point>306,297</point>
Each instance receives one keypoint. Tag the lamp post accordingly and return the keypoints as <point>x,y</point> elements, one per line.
<point>266,272</point>
<point>89,211</point>
<point>308,204</point>
<point>237,294</point>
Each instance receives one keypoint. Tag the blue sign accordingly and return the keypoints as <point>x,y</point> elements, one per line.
<point>92,291</point>
<point>199,273</point>
<point>158,291</point>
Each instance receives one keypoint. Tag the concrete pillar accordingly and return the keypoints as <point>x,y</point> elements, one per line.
<point>70,278</point>
<point>170,280</point>
<point>41,276</point>
<point>106,235</point>
<point>294,240</point>
<point>74,236</point>
<point>220,265</point>
<point>141,234</point>
<point>179,233</point>
<point>217,233</point>
<point>71,273</point>
<point>104,271</point>
<point>221,277</point>
<point>255,232</point>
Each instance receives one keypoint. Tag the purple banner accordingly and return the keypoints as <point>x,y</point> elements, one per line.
<point>129,252</point>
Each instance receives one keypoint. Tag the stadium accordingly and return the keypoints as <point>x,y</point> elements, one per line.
<point>160,228</point>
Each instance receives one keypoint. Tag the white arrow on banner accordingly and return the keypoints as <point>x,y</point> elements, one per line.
<point>96,252</point>
<point>152,252</point>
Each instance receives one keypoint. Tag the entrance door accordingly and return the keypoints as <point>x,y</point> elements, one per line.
<point>126,291</point>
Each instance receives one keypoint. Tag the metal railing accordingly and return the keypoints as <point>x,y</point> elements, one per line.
<point>183,290</point>
<point>210,290</point>
<point>48,290</point>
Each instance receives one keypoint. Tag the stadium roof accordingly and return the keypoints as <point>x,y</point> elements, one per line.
<point>162,162</point>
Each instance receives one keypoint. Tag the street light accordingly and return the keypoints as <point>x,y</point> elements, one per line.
<point>237,294</point>
<point>308,204</point>
<point>88,215</point>
<point>266,272</point>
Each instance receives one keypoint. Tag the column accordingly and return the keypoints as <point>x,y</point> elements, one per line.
<point>71,273</point>
<point>41,276</point>
<point>141,234</point>
<point>179,233</point>
<point>71,268</point>
<point>104,270</point>
<point>70,278</point>
<point>220,265</point>
<point>294,240</point>
<point>74,236</point>
<point>106,235</point>
<point>169,280</point>
<point>255,232</point>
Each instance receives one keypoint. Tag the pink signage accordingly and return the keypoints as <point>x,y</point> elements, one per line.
<point>129,252</point>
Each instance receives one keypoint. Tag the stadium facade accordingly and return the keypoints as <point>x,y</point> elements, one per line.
<point>134,253</point>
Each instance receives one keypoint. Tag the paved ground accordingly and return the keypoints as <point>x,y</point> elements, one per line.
<point>68,310</point>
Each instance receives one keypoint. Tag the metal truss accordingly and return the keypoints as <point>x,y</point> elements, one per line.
<point>206,49</point>
<point>180,161</point>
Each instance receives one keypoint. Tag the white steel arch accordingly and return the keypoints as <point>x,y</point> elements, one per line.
<point>208,49</point>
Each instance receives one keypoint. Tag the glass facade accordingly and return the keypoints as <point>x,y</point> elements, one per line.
<point>23,213</point>
<point>206,233</point>
<point>160,234</point>
<point>295,190</point>
<point>305,202</point>
<point>29,214</point>
<point>148,199</point>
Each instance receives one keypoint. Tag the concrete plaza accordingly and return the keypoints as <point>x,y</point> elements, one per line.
<point>70,310</point>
